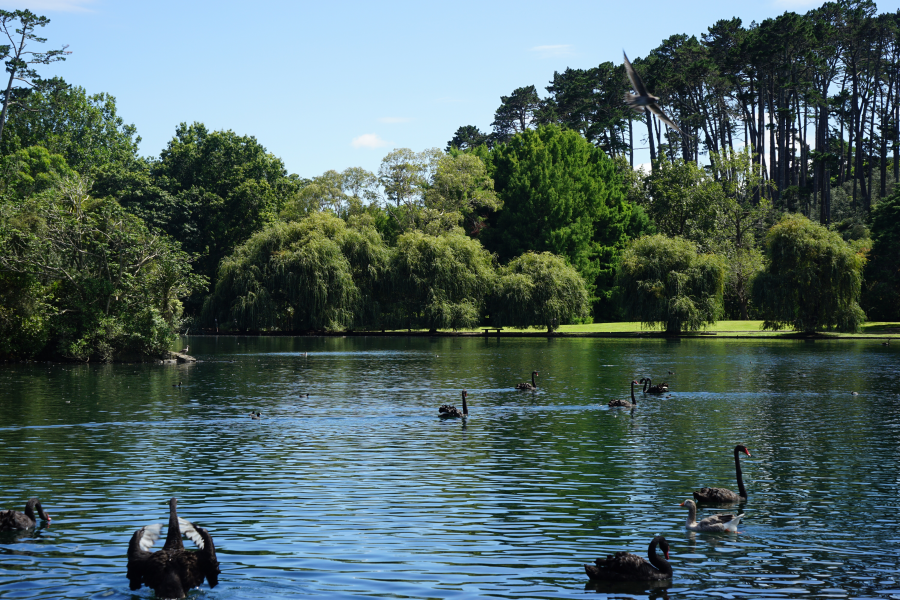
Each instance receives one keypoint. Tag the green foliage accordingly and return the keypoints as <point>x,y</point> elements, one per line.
<point>85,129</point>
<point>223,188</point>
<point>515,113</point>
<point>468,136</point>
<point>462,188</point>
<point>882,293</point>
<point>30,171</point>
<point>538,290</point>
<point>562,195</point>
<point>25,315</point>
<point>812,278</point>
<point>405,175</point>
<point>85,280</point>
<point>439,281</point>
<point>343,194</point>
<point>684,201</point>
<point>665,282</point>
<point>318,273</point>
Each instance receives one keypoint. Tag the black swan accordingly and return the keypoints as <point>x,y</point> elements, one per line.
<point>528,386</point>
<point>13,519</point>
<point>625,566</point>
<point>451,412</point>
<point>722,495</point>
<point>661,388</point>
<point>727,523</point>
<point>625,403</point>
<point>172,571</point>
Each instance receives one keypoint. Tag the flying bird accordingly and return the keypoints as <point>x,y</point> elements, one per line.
<point>644,99</point>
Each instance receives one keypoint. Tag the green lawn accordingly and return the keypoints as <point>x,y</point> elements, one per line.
<point>735,328</point>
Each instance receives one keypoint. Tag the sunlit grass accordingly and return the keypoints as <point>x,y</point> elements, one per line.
<point>730,328</point>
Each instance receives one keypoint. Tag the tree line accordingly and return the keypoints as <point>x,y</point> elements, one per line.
<point>816,96</point>
<point>106,255</point>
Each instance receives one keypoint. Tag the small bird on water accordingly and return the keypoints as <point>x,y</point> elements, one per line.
<point>644,99</point>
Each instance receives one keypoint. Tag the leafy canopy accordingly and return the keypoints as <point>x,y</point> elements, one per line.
<point>317,273</point>
<point>538,289</point>
<point>664,282</point>
<point>561,195</point>
<point>812,279</point>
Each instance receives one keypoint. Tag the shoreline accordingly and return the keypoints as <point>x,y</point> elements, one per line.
<point>776,335</point>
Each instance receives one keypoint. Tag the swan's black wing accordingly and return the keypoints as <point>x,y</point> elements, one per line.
<point>715,495</point>
<point>139,553</point>
<point>624,566</point>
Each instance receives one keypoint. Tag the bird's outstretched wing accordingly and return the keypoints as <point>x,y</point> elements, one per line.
<point>656,110</point>
<point>148,536</point>
<point>634,78</point>
<point>187,528</point>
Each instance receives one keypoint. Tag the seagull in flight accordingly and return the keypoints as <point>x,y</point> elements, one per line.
<point>644,99</point>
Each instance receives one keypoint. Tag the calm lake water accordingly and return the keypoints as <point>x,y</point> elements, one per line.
<point>360,490</point>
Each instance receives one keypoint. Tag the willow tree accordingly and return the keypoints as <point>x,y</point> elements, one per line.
<point>317,273</point>
<point>538,290</point>
<point>812,279</point>
<point>664,282</point>
<point>439,281</point>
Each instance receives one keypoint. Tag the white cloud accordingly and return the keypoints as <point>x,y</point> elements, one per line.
<point>554,51</point>
<point>393,120</point>
<point>38,6</point>
<point>368,140</point>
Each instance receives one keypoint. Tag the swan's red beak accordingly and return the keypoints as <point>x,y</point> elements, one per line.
<point>747,452</point>
<point>667,554</point>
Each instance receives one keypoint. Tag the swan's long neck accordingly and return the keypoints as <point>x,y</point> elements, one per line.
<point>656,560</point>
<point>29,508</point>
<point>533,382</point>
<point>465,406</point>
<point>647,384</point>
<point>633,398</point>
<point>740,476</point>
<point>173,535</point>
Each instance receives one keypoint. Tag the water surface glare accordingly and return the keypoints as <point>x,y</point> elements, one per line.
<point>359,490</point>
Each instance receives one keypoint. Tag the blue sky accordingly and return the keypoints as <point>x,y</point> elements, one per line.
<point>330,85</point>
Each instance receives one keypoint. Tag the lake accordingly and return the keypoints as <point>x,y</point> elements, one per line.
<point>359,490</point>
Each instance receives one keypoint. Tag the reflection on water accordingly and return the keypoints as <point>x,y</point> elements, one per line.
<point>360,489</point>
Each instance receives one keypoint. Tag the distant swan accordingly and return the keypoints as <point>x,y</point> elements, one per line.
<point>172,571</point>
<point>625,566</point>
<point>727,523</point>
<point>451,412</point>
<point>528,386</point>
<point>722,495</point>
<point>13,519</point>
<point>625,403</point>
<point>255,415</point>
<point>661,388</point>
